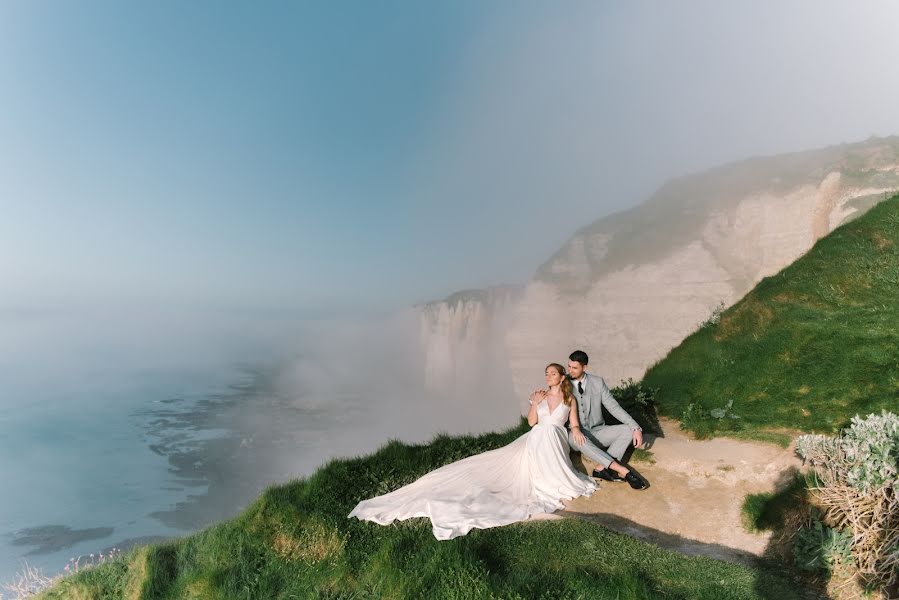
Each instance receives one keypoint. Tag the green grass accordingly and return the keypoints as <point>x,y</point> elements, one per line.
<point>767,511</point>
<point>778,438</point>
<point>644,456</point>
<point>806,349</point>
<point>295,541</point>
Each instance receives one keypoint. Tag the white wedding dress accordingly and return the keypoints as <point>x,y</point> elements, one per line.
<point>530,475</point>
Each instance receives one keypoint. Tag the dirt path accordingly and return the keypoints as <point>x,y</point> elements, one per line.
<point>695,495</point>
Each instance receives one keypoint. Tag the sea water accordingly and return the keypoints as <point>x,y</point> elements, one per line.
<point>123,429</point>
<point>98,414</point>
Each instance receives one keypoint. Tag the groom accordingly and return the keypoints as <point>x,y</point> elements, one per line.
<point>592,395</point>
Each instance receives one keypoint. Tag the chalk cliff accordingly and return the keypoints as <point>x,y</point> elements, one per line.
<point>630,286</point>
<point>463,335</point>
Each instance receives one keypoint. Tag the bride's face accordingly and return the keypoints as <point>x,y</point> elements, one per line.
<point>553,377</point>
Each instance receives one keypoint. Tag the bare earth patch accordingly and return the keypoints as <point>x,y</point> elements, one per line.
<point>693,503</point>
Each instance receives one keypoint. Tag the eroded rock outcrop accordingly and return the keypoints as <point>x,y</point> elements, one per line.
<point>463,335</point>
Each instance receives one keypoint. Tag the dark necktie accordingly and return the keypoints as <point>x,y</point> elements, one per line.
<point>580,387</point>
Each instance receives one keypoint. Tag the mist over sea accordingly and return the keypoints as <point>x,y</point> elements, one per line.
<point>121,427</point>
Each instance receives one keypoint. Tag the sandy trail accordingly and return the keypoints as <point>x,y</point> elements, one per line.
<point>697,488</point>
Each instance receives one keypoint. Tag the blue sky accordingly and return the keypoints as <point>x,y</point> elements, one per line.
<point>349,156</point>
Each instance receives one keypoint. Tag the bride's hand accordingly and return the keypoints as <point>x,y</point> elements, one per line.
<point>578,436</point>
<point>537,396</point>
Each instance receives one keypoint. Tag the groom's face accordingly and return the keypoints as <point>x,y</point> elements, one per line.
<point>575,369</point>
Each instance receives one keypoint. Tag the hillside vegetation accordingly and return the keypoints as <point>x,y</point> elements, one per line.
<point>296,541</point>
<point>807,348</point>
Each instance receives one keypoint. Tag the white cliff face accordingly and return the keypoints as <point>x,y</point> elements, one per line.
<point>631,315</point>
<point>631,286</point>
<point>462,337</point>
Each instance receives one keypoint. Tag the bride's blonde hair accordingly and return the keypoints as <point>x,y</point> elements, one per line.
<point>565,386</point>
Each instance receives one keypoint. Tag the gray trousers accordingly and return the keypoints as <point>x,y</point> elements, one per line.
<point>614,438</point>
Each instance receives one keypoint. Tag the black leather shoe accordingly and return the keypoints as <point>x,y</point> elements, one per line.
<point>635,481</point>
<point>607,475</point>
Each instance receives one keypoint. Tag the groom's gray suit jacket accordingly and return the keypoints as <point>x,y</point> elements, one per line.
<point>598,434</point>
<point>596,396</point>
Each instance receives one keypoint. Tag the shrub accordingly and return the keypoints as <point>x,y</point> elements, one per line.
<point>855,484</point>
<point>639,402</point>
<point>715,317</point>
<point>821,548</point>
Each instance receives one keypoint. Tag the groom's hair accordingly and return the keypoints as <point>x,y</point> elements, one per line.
<point>579,356</point>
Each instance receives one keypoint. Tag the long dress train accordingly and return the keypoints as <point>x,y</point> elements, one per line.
<point>530,475</point>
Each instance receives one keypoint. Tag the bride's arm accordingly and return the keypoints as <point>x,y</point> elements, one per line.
<point>575,424</point>
<point>532,413</point>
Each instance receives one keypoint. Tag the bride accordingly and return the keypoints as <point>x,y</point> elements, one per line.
<point>530,475</point>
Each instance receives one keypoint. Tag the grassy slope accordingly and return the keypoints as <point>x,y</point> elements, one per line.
<point>295,541</point>
<point>807,348</point>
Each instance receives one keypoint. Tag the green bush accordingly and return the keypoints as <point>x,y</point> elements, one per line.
<point>865,455</point>
<point>855,485</point>
<point>639,402</point>
<point>821,548</point>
